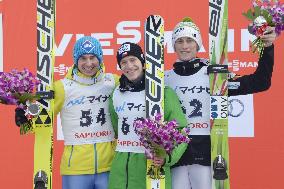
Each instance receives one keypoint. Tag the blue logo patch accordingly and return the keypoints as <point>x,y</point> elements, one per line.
<point>77,101</point>
<point>87,46</point>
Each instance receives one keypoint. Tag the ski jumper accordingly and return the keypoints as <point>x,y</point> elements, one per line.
<point>128,170</point>
<point>191,82</point>
<point>87,130</point>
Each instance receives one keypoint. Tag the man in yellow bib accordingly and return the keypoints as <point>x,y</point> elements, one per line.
<point>82,99</point>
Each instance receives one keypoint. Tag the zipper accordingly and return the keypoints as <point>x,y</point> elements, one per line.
<point>95,158</point>
<point>126,187</point>
<point>71,153</point>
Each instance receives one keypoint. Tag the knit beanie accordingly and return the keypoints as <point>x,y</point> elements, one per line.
<point>87,45</point>
<point>186,28</point>
<point>127,49</point>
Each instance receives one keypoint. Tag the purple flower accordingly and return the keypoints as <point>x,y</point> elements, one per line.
<point>157,136</point>
<point>14,84</point>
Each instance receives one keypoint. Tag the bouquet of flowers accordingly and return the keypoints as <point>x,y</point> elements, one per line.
<point>264,13</point>
<point>159,138</point>
<point>18,88</point>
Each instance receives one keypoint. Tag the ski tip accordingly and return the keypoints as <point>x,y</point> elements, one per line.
<point>155,16</point>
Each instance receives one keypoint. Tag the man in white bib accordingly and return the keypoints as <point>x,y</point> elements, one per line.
<point>190,81</point>
<point>128,169</point>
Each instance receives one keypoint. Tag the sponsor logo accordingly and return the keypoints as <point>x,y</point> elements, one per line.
<point>235,108</point>
<point>131,31</point>
<point>76,101</point>
<point>62,69</point>
<point>238,64</point>
<point>154,65</point>
<point>124,48</point>
<point>198,125</point>
<point>87,46</point>
<point>92,134</point>
<point>179,30</point>
<point>120,108</point>
<point>129,143</point>
<point>219,107</point>
<point>214,11</point>
<point>233,85</point>
<point>44,47</point>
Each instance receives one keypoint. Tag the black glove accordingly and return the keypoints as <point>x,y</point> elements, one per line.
<point>20,117</point>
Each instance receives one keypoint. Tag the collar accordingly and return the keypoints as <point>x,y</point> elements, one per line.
<point>86,80</point>
<point>186,68</point>
<point>126,85</point>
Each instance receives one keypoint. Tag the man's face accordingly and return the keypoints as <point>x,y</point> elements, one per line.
<point>131,67</point>
<point>88,64</point>
<point>186,48</point>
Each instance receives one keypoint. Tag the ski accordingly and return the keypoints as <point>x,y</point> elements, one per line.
<point>154,82</point>
<point>43,123</point>
<point>218,78</point>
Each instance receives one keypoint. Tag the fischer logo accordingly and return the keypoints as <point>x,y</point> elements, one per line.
<point>154,56</point>
<point>44,46</point>
<point>237,64</point>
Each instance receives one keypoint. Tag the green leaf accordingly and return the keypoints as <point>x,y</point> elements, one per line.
<point>23,98</point>
<point>257,12</point>
<point>249,15</point>
<point>267,17</point>
<point>159,151</point>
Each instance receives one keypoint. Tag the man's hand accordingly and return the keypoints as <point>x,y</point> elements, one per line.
<point>268,36</point>
<point>158,161</point>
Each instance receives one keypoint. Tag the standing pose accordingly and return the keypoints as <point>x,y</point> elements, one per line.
<point>190,80</point>
<point>128,170</point>
<point>82,98</point>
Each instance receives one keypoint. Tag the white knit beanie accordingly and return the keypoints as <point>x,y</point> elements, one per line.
<point>187,28</point>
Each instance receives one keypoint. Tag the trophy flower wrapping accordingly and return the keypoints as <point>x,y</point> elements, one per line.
<point>264,13</point>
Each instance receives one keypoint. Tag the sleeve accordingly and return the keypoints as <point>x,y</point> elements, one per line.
<point>260,80</point>
<point>113,115</point>
<point>59,95</point>
<point>173,111</point>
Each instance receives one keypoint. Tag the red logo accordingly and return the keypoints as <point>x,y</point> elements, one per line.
<point>198,125</point>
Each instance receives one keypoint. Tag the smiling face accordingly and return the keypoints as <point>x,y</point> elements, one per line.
<point>132,68</point>
<point>186,48</point>
<point>88,64</point>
